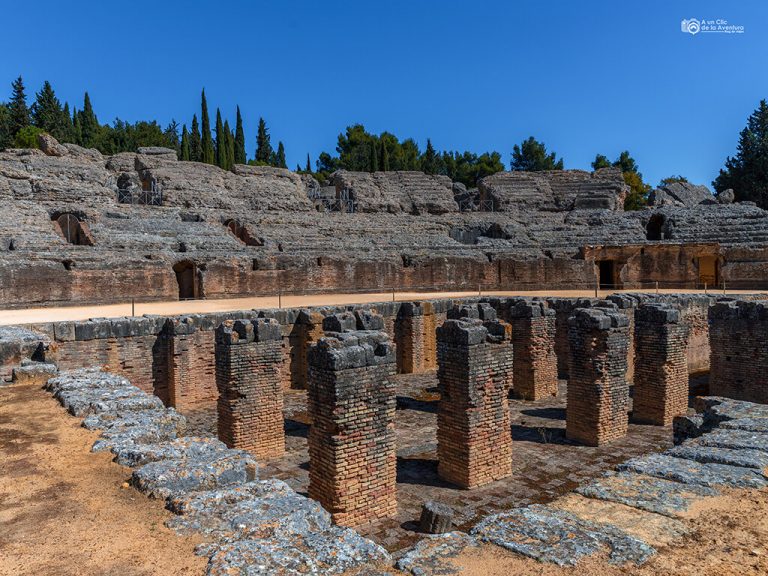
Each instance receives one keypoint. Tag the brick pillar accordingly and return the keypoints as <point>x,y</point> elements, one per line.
<point>250,406</point>
<point>191,367</point>
<point>661,374</point>
<point>627,306</point>
<point>598,392</point>
<point>307,329</point>
<point>474,441</point>
<point>533,339</point>
<point>415,337</point>
<point>351,403</point>
<point>738,340</point>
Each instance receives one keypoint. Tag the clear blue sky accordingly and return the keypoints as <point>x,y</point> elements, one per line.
<point>584,77</point>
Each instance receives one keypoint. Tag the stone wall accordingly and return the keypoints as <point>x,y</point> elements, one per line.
<point>738,338</point>
<point>661,374</point>
<point>474,442</point>
<point>598,392</point>
<point>250,402</point>
<point>351,403</point>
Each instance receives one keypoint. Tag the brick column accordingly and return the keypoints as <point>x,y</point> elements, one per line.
<point>307,329</point>
<point>661,373</point>
<point>351,403</point>
<point>474,441</point>
<point>250,405</point>
<point>627,306</point>
<point>533,339</point>
<point>191,368</point>
<point>415,337</point>
<point>738,340</point>
<point>598,392</point>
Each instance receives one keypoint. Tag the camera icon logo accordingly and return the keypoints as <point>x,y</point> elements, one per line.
<point>691,26</point>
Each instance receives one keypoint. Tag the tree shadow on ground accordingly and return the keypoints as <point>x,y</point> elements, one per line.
<point>539,434</point>
<point>407,403</point>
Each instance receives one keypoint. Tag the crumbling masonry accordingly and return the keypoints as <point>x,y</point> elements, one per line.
<point>474,442</point>
<point>533,339</point>
<point>661,367</point>
<point>598,392</point>
<point>415,337</point>
<point>352,404</point>
<point>250,405</point>
<point>738,340</point>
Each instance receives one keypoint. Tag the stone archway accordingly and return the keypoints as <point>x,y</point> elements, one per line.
<point>188,280</point>
<point>72,229</point>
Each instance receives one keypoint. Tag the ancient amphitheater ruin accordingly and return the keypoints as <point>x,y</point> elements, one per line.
<point>398,436</point>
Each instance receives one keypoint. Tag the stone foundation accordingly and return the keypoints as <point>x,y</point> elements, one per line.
<point>352,404</point>
<point>661,366</point>
<point>738,339</point>
<point>250,404</point>
<point>598,392</point>
<point>474,442</point>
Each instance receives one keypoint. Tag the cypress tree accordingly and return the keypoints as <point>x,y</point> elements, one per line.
<point>374,161</point>
<point>46,111</point>
<point>5,128</point>
<point>220,141</point>
<point>89,124</point>
<point>384,163</point>
<point>67,127</point>
<point>429,160</point>
<point>230,146</point>
<point>308,169</point>
<point>77,130</point>
<point>264,150</point>
<point>18,112</point>
<point>240,157</point>
<point>185,147</point>
<point>207,154</point>
<point>195,146</point>
<point>280,156</point>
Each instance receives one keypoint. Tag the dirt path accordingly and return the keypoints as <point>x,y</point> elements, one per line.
<point>63,510</point>
<point>728,537</point>
<point>40,315</point>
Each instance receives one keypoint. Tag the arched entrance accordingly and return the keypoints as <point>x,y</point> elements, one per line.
<point>240,231</point>
<point>655,227</point>
<point>188,280</point>
<point>72,229</point>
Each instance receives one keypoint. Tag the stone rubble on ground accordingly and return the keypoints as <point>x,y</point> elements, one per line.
<point>255,527</point>
<point>251,527</point>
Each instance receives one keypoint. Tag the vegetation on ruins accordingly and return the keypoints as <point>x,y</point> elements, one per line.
<point>638,195</point>
<point>531,156</point>
<point>747,172</point>
<point>672,179</point>
<point>360,151</point>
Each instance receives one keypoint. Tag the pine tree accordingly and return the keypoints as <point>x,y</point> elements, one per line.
<point>47,113</point>
<point>18,112</point>
<point>207,153</point>
<point>171,134</point>
<point>185,149</point>
<point>89,124</point>
<point>240,157</point>
<point>264,152</point>
<point>747,172</point>
<point>195,146</point>
<point>220,141</point>
<point>280,156</point>
<point>532,156</point>
<point>308,169</point>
